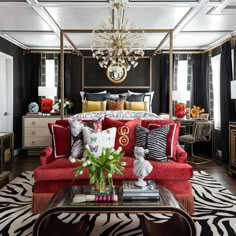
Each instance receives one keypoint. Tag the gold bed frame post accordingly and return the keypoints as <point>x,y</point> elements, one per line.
<point>62,74</point>
<point>170,74</point>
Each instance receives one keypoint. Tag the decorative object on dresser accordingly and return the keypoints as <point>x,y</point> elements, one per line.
<point>35,135</point>
<point>33,107</point>
<point>232,148</point>
<point>48,93</point>
<point>180,111</point>
<point>196,111</point>
<point>67,105</point>
<point>6,156</point>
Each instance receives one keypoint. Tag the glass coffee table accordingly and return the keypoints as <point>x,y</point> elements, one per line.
<point>62,202</point>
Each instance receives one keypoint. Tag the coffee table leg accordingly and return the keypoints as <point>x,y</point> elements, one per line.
<point>55,227</point>
<point>176,225</point>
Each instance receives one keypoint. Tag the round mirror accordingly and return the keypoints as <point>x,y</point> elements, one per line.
<point>116,73</point>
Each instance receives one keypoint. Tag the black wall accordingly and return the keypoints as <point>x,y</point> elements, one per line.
<point>94,75</point>
<point>18,83</point>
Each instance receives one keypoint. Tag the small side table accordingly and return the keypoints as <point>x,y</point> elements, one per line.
<point>6,156</point>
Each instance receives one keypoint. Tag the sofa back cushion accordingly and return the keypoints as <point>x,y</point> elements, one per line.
<point>172,137</point>
<point>153,140</point>
<point>61,140</point>
<point>125,135</point>
<point>97,140</point>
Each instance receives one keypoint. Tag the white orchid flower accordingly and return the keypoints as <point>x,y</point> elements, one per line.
<point>72,160</point>
<point>85,164</point>
<point>88,162</point>
<point>81,172</point>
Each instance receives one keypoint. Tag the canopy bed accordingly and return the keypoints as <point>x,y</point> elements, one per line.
<point>118,83</point>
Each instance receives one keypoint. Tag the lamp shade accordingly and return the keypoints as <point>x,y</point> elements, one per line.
<point>181,95</point>
<point>233,89</point>
<point>47,91</point>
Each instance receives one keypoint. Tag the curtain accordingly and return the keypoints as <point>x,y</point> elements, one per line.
<point>200,81</point>
<point>226,103</point>
<point>67,75</point>
<point>164,84</point>
<point>32,78</point>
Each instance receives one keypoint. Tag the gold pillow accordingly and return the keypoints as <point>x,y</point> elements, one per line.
<point>88,106</point>
<point>137,106</point>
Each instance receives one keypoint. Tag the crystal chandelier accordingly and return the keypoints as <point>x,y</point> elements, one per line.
<point>115,43</point>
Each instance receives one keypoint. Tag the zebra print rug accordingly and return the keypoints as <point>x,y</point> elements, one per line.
<point>215,210</point>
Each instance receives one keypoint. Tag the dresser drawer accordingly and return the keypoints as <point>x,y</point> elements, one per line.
<point>39,141</point>
<point>35,131</point>
<point>39,122</point>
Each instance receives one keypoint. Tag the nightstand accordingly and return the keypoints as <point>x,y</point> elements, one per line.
<point>6,156</point>
<point>36,135</point>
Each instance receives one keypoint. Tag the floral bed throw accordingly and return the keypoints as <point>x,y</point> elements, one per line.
<point>119,115</point>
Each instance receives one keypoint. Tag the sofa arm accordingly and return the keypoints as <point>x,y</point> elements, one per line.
<point>181,155</point>
<point>46,156</point>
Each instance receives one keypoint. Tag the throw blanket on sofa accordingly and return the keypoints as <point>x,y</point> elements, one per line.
<point>121,114</point>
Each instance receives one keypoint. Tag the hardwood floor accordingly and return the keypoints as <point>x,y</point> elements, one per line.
<point>216,169</point>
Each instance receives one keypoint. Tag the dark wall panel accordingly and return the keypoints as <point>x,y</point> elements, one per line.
<point>95,75</point>
<point>18,99</point>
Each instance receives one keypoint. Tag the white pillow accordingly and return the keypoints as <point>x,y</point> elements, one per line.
<point>83,92</point>
<point>147,98</point>
<point>97,140</point>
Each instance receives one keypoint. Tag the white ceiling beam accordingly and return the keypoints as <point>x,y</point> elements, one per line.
<point>186,19</point>
<point>48,19</point>
<point>12,40</point>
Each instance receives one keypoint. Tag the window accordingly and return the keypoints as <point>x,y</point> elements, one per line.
<point>182,80</point>
<point>49,71</point>
<point>215,100</point>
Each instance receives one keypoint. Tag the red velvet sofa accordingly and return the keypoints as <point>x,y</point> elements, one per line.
<point>55,173</point>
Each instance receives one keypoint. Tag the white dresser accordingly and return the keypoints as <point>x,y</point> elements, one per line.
<point>36,135</point>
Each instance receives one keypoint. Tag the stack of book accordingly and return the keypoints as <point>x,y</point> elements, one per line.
<point>133,192</point>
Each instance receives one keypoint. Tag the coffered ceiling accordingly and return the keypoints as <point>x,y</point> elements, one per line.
<point>196,25</point>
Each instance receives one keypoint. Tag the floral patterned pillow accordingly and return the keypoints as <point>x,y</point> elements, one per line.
<point>97,140</point>
<point>76,128</point>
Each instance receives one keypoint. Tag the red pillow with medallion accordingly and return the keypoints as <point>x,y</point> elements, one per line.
<point>125,135</point>
<point>172,137</point>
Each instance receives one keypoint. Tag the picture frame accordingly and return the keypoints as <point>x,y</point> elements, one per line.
<point>204,116</point>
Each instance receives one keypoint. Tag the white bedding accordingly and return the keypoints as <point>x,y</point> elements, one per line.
<point>119,115</point>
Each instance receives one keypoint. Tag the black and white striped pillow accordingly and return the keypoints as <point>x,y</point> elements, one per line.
<point>153,140</point>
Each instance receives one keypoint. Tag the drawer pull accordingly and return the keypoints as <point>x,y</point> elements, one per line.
<point>33,142</point>
<point>33,133</point>
<point>33,123</point>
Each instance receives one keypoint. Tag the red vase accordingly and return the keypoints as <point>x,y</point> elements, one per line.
<point>180,110</point>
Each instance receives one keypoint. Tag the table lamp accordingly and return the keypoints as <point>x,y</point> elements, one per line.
<point>233,89</point>
<point>46,103</point>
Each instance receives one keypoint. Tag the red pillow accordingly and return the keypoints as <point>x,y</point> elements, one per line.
<point>61,140</point>
<point>172,138</point>
<point>125,135</point>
